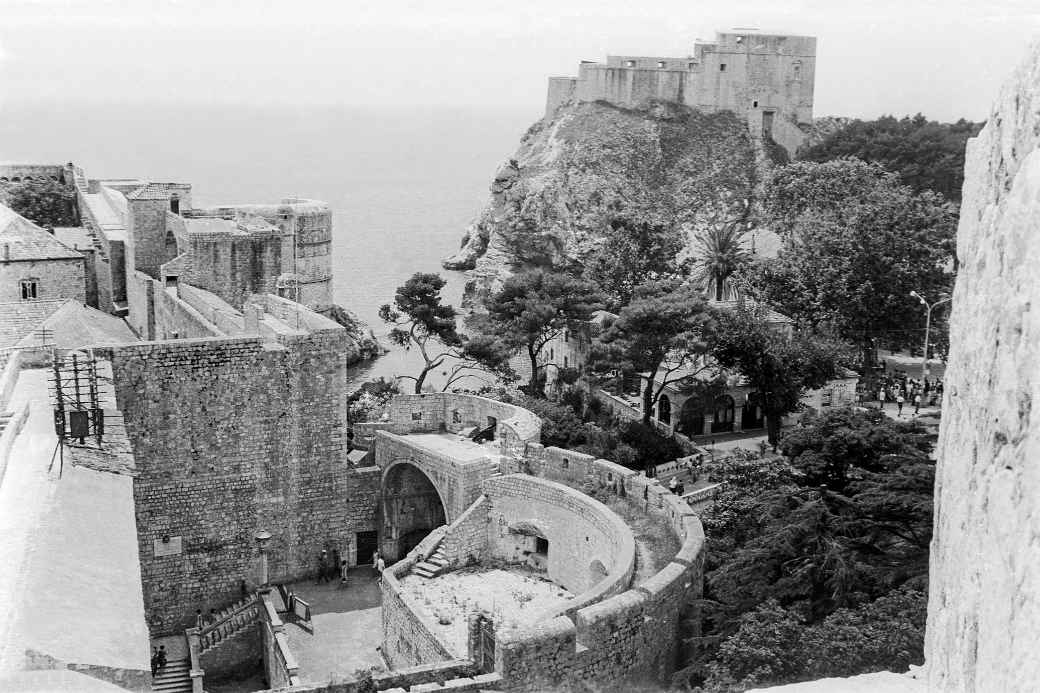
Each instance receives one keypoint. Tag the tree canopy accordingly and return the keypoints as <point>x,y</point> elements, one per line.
<point>46,203</point>
<point>533,308</point>
<point>826,548</point>
<point>856,243</point>
<point>780,364</point>
<point>925,154</point>
<point>632,253</point>
<point>661,332</point>
<point>421,320</point>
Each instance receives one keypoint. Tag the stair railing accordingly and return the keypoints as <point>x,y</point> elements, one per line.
<point>234,619</point>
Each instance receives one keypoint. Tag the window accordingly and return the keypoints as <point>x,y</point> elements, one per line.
<point>30,289</point>
<point>630,63</point>
<point>566,463</point>
<point>552,354</point>
<point>722,67</point>
<point>754,104</point>
<point>416,416</point>
<point>564,361</point>
<point>175,204</point>
<point>456,416</point>
<point>661,64</point>
<point>692,66</point>
<point>797,67</point>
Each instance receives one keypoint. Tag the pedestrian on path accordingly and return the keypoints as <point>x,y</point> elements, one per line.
<point>323,567</point>
<point>343,573</point>
<point>155,660</point>
<point>917,403</point>
<point>881,397</point>
<point>199,620</point>
<point>899,403</point>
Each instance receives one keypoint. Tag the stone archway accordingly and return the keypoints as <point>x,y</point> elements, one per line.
<point>691,417</point>
<point>410,507</point>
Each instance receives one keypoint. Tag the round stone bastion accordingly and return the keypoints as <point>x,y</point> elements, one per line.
<point>545,513</point>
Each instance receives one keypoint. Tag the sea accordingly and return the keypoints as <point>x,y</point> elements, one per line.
<point>403,183</point>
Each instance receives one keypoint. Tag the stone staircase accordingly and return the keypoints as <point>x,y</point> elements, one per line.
<point>173,678</point>
<point>5,418</point>
<point>432,566</point>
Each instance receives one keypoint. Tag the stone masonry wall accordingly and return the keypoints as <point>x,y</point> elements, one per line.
<point>232,436</point>
<point>55,279</point>
<point>984,601</point>
<point>453,412</point>
<point>408,640</point>
<point>466,540</point>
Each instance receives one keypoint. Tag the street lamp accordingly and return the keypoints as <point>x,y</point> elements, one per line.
<point>262,537</point>
<point>927,326</point>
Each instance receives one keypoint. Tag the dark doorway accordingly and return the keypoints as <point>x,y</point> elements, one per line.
<point>367,543</point>
<point>767,123</point>
<point>410,508</point>
<point>691,418</point>
<point>724,409</point>
<point>664,410</point>
<point>751,414</point>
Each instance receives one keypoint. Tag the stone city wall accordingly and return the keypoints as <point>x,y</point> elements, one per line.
<point>20,172</point>
<point>232,436</point>
<point>984,581</point>
<point>140,290</point>
<point>453,412</point>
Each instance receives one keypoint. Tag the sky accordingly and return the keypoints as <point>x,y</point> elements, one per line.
<point>945,58</point>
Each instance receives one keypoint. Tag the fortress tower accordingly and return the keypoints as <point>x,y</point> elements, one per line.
<point>767,79</point>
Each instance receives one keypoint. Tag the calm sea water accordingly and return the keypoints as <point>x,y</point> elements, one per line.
<point>403,184</point>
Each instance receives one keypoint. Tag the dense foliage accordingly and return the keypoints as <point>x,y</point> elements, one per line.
<point>781,366</point>
<point>856,243</point>
<point>46,203</point>
<point>817,563</point>
<point>926,155</point>
<point>532,309</point>
<point>632,253</point>
<point>660,333</point>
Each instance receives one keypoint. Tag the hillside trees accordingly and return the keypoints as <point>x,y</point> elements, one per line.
<point>422,321</point>
<point>46,203</point>
<point>817,563</point>
<point>856,243</point>
<point>780,366</point>
<point>533,308</point>
<point>925,154</point>
<point>660,332</point>
<point>632,253</point>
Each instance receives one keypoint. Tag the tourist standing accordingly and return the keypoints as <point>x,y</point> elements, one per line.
<point>881,396</point>
<point>917,403</point>
<point>323,566</point>
<point>160,658</point>
<point>155,660</point>
<point>899,403</point>
<point>199,620</point>
<point>375,558</point>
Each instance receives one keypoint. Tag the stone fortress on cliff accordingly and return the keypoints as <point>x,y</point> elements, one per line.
<point>766,79</point>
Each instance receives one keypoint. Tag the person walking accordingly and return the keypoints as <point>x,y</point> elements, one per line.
<point>881,396</point>
<point>343,573</point>
<point>155,661</point>
<point>375,558</point>
<point>899,403</point>
<point>917,403</point>
<point>323,567</point>
<point>200,621</point>
<point>160,658</point>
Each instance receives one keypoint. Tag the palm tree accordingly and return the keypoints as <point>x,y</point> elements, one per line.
<point>719,251</point>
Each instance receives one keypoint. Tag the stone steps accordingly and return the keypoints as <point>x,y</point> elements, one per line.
<point>173,678</point>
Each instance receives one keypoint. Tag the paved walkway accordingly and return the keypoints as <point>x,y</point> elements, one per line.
<point>348,627</point>
<point>25,496</point>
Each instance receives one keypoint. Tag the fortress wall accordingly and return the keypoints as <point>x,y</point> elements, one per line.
<point>580,531</point>
<point>453,412</point>
<point>140,291</point>
<point>631,638</point>
<point>984,581</point>
<point>176,319</point>
<point>409,639</point>
<point>629,87</point>
<point>232,436</point>
<point>561,90</point>
<point>9,172</point>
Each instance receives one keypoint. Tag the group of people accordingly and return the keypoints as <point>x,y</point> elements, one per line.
<point>331,568</point>
<point>903,391</point>
<point>158,659</point>
<point>676,486</point>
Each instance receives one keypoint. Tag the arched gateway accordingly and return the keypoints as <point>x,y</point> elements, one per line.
<point>410,507</point>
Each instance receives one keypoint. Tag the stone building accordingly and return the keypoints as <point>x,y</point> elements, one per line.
<point>34,265</point>
<point>767,80</point>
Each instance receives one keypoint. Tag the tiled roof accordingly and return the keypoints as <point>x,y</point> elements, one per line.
<point>20,239</point>
<point>770,315</point>
<point>19,319</point>
<point>154,191</point>
<point>75,325</point>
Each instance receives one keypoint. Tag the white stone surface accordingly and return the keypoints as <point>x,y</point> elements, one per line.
<point>984,605</point>
<point>880,682</point>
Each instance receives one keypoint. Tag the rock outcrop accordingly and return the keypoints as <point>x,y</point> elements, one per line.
<point>984,602</point>
<point>589,163</point>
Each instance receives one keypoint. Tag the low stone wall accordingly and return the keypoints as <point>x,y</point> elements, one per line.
<point>453,412</point>
<point>408,639</point>
<point>465,540</point>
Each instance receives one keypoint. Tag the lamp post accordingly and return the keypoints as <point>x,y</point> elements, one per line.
<point>262,537</point>
<point>927,326</point>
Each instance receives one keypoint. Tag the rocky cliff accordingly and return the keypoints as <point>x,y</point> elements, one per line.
<point>984,602</point>
<point>589,163</point>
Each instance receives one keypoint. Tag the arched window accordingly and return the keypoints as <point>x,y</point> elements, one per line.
<point>691,418</point>
<point>175,204</point>
<point>723,419</point>
<point>751,414</point>
<point>664,410</point>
